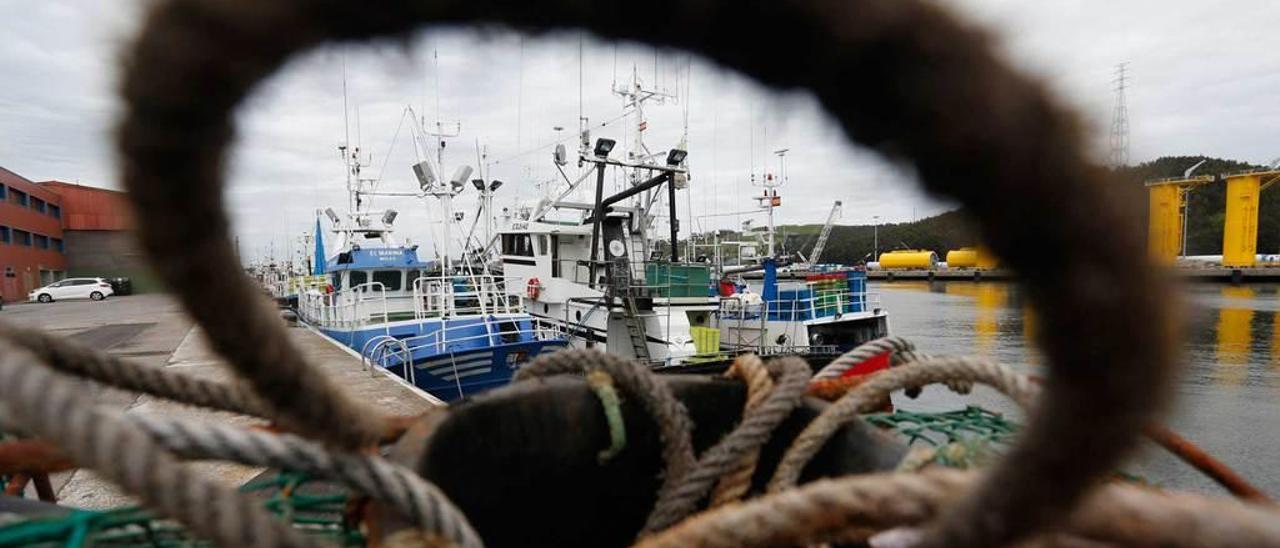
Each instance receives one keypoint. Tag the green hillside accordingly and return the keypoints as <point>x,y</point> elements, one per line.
<point>853,244</point>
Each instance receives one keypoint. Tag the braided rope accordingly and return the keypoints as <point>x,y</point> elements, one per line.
<point>412,496</point>
<point>671,416</point>
<point>947,103</point>
<point>82,361</point>
<point>733,485</point>
<point>900,351</point>
<point>750,435</point>
<point>53,407</point>
<point>851,508</point>
<point>873,393</point>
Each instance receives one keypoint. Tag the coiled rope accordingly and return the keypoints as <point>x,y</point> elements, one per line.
<point>974,129</point>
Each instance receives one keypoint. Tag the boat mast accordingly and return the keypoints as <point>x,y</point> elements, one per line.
<point>634,97</point>
<point>770,199</point>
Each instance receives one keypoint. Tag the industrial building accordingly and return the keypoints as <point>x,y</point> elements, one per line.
<point>53,229</point>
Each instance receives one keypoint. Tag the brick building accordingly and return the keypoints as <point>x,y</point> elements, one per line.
<point>52,230</point>
<point>32,248</point>
<point>97,230</point>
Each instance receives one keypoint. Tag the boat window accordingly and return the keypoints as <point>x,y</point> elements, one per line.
<point>542,244</point>
<point>555,256</point>
<point>390,279</point>
<point>336,280</point>
<point>357,277</point>
<point>517,244</point>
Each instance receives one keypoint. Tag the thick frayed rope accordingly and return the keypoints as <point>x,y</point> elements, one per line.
<point>734,484</point>
<point>852,508</point>
<point>900,351</point>
<point>746,439</point>
<point>81,361</point>
<point>415,498</point>
<point>973,128</point>
<point>53,408</point>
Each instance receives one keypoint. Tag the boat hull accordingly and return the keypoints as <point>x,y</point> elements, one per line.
<point>477,358</point>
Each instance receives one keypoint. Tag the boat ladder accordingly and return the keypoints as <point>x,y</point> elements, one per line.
<point>621,288</point>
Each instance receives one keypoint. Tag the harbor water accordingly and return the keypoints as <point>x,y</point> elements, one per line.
<point>1228,392</point>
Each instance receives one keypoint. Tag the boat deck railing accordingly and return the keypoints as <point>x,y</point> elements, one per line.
<point>453,296</point>
<point>651,279</point>
<point>351,308</point>
<point>385,350</point>
<point>809,303</point>
<point>372,303</point>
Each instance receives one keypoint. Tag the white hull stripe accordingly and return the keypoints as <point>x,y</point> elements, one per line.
<point>464,374</point>
<point>469,361</point>
<point>449,368</point>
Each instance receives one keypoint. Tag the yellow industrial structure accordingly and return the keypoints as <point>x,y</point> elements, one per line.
<point>987,259</point>
<point>907,259</point>
<point>965,257</point>
<point>1240,230</point>
<point>971,257</point>
<point>1167,202</point>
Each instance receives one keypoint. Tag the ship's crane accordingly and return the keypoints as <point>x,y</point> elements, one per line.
<point>826,233</point>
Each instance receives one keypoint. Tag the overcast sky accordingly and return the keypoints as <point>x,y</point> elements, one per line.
<point>1204,79</point>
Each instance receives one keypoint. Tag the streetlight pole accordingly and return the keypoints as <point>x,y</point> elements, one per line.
<point>875,235</point>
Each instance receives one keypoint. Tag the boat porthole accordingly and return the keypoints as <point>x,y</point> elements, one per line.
<point>578,315</point>
<point>545,308</point>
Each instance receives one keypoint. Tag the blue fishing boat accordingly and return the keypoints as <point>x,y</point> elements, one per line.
<point>450,329</point>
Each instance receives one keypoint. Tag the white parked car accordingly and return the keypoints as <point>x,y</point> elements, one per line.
<point>73,288</point>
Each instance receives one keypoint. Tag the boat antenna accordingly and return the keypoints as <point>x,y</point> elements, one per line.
<point>346,123</point>
<point>520,94</point>
<point>581,38</point>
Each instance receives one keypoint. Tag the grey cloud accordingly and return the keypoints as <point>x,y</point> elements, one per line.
<point>1203,81</point>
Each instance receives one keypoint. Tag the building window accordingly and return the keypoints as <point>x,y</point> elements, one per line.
<point>42,241</point>
<point>22,237</point>
<point>2,195</point>
<point>55,211</point>
<point>57,244</point>
<point>4,234</point>
<point>390,279</point>
<point>38,204</point>
<point>18,197</point>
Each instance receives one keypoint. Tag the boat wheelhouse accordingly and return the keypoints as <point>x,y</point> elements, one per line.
<point>616,300</point>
